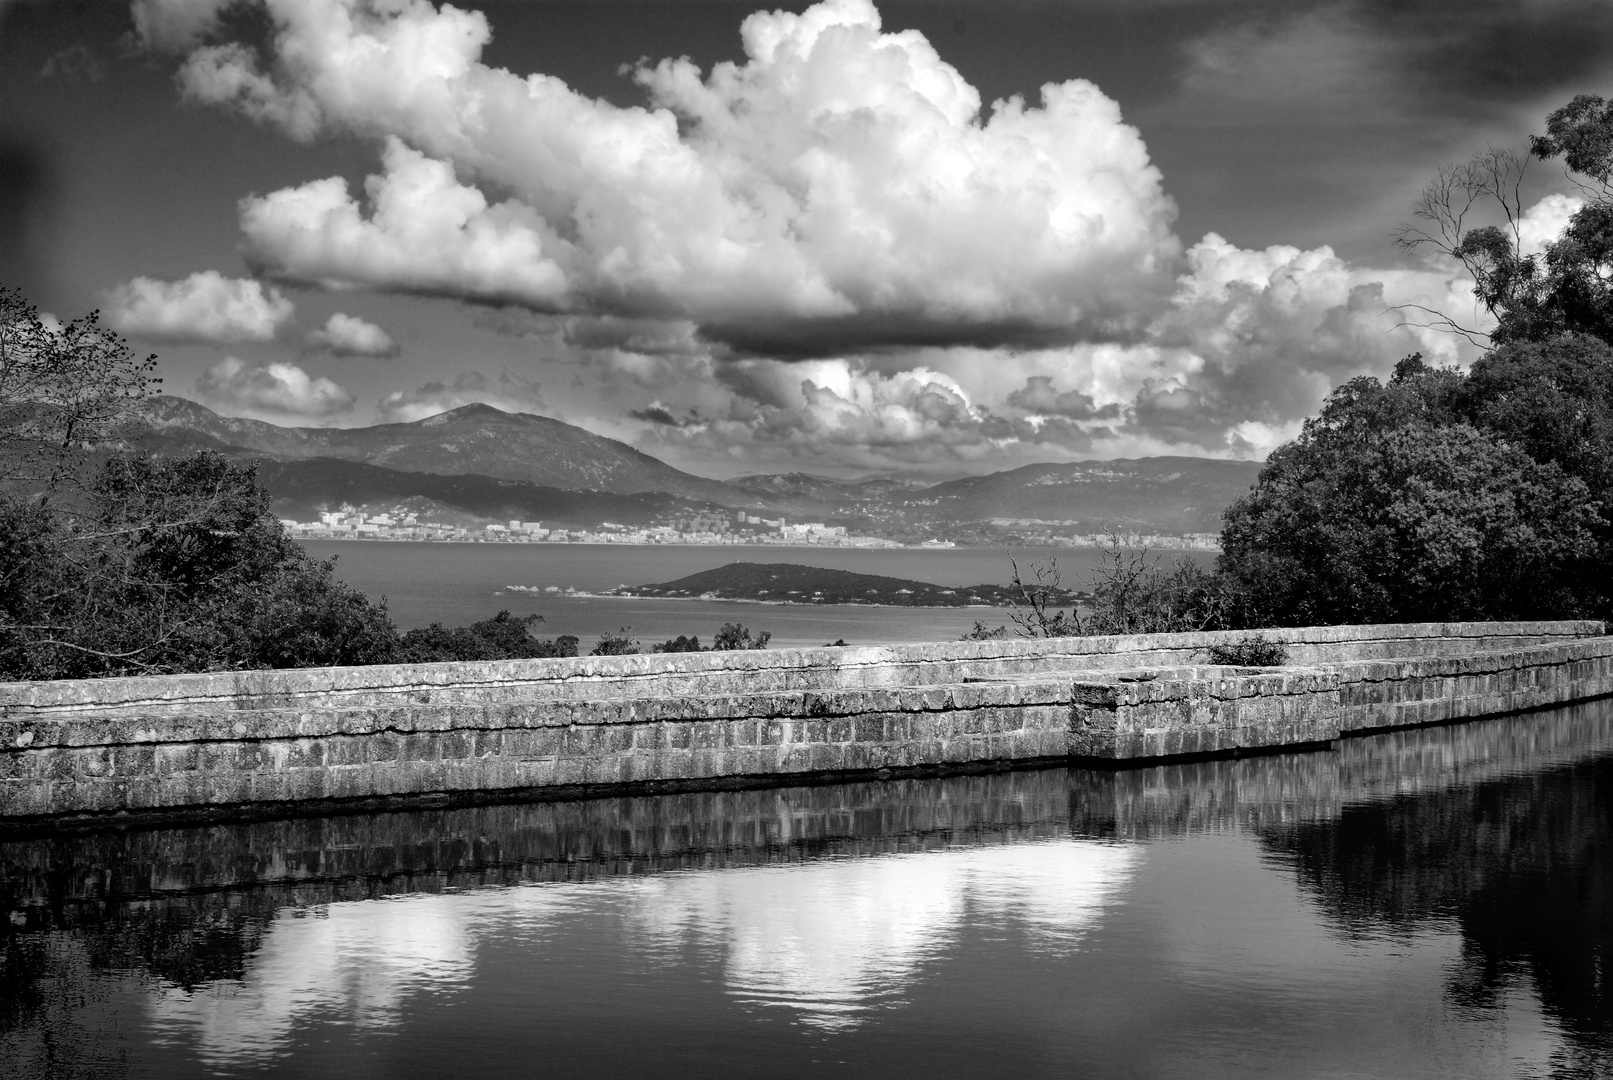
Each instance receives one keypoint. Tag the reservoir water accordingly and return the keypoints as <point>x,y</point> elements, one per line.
<point>1434,903</point>
<point>461,583</point>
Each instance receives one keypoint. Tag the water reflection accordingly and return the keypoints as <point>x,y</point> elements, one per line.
<point>1519,862</point>
<point>833,939</point>
<point>885,917</point>
<point>346,963</point>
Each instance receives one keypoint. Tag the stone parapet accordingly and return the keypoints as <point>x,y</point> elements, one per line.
<point>324,737</point>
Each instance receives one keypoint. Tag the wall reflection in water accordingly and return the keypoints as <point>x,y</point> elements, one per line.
<point>867,913</point>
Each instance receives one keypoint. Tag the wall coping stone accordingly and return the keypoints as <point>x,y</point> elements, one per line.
<point>261,688</point>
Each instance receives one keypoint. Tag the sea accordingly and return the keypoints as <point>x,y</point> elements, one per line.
<point>459,583</point>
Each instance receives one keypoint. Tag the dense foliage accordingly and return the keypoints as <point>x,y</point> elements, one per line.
<point>1429,498</point>
<point>503,637</point>
<point>170,565</point>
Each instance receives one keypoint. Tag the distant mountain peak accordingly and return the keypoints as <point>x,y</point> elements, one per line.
<point>477,439</point>
<point>470,409</point>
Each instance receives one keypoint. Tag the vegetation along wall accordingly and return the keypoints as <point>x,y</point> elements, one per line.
<point>275,741</point>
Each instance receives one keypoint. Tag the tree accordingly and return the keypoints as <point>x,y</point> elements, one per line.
<point>64,390</point>
<point>1568,287</point>
<point>503,637</point>
<point>171,565</point>
<point>113,563</point>
<point>1506,280</point>
<point>621,643</point>
<point>734,636</point>
<point>679,644</point>
<point>1130,592</point>
<point>1552,399</point>
<point>1392,506</point>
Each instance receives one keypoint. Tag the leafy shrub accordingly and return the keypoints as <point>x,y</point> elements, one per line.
<point>503,637</point>
<point>621,643</point>
<point>679,644</point>
<point>733,636</point>
<point>1130,593</point>
<point>981,632</point>
<point>1256,650</point>
<point>163,565</point>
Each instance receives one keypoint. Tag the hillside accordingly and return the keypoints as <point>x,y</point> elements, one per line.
<point>302,488</point>
<point>472,439</point>
<point>485,462</point>
<point>1163,494</point>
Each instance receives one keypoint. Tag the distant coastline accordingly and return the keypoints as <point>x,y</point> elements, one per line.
<point>1153,543</point>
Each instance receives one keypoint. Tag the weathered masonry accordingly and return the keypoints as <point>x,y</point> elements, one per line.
<point>259,741</point>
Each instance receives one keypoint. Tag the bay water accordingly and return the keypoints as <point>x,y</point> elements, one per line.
<point>458,583</point>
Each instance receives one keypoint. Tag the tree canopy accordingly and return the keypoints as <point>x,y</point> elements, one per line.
<point>1393,505</point>
<point>1534,296</point>
<point>1449,495</point>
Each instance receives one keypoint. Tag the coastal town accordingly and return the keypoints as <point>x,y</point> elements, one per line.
<point>706,529</point>
<point>698,529</point>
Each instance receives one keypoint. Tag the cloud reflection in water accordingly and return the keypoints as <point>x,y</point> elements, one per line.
<point>832,939</point>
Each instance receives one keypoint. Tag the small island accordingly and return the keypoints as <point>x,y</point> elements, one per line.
<point>791,583</point>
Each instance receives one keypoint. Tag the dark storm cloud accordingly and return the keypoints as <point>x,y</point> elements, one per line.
<point>657,414</point>
<point>1317,122</point>
<point>784,338</point>
<point>1039,396</point>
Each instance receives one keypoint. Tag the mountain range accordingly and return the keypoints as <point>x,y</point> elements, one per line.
<point>479,462</point>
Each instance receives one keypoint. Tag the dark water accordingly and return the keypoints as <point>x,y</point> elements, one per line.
<point>460,583</point>
<point>1438,903</point>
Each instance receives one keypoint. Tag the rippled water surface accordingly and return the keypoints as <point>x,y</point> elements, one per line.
<point>1437,903</point>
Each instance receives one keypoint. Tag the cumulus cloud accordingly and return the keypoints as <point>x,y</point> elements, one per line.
<point>206,307</point>
<point>832,251</point>
<point>845,415</point>
<point>1264,335</point>
<point>271,391</point>
<point>1545,220</point>
<point>1039,397</point>
<point>349,335</point>
<point>842,185</point>
<point>427,234</point>
<point>1250,344</point>
<point>509,392</point>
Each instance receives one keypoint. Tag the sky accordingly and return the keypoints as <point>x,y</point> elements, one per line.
<point>937,237</point>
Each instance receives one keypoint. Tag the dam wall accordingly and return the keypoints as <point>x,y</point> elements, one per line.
<point>312,740</point>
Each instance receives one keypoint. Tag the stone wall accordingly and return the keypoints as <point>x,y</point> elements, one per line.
<point>312,738</point>
<point>173,875</point>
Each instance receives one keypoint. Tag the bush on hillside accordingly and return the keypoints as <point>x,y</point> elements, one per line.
<point>734,636</point>
<point>161,565</point>
<point>1402,503</point>
<point>1130,592</point>
<point>503,637</point>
